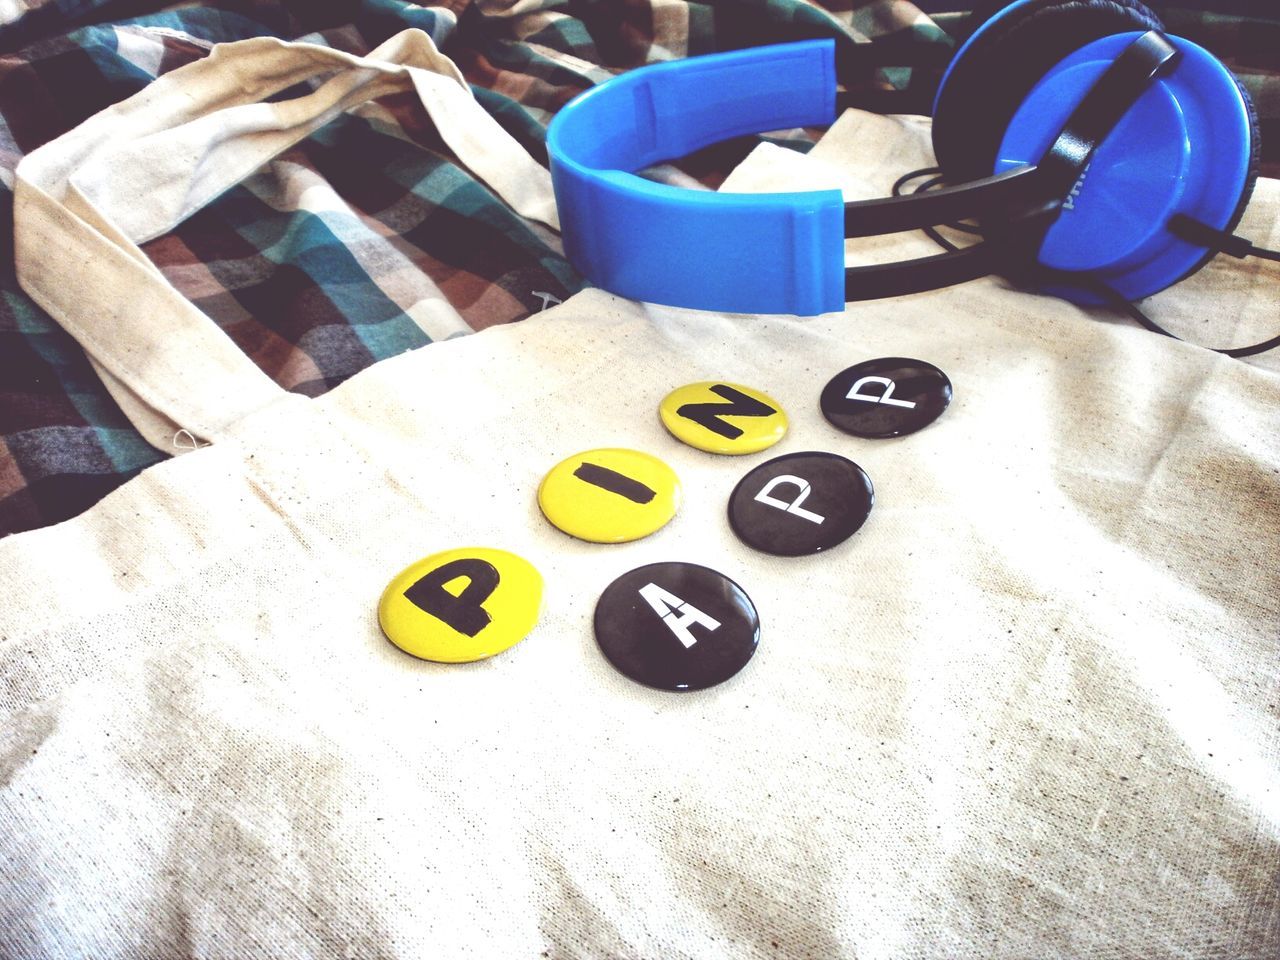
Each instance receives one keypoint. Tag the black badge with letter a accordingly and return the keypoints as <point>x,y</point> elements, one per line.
<point>801,503</point>
<point>888,397</point>
<point>676,626</point>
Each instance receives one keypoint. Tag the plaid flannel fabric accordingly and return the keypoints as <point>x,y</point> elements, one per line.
<point>368,239</point>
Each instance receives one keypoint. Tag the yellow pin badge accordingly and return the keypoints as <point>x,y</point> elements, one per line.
<point>610,495</point>
<point>461,605</point>
<point>723,417</point>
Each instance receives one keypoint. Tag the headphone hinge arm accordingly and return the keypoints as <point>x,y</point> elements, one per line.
<point>1149,57</point>
<point>914,100</point>
<point>915,276</point>
<point>1011,190</point>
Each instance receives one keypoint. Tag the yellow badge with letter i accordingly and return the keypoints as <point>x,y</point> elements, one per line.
<point>723,417</point>
<point>610,495</point>
<point>461,605</point>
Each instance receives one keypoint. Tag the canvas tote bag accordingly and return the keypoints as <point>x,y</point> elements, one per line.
<point>1029,710</point>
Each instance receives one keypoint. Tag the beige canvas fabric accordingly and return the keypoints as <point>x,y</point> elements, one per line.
<point>1029,711</point>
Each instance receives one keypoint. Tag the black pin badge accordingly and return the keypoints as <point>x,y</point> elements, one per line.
<point>888,397</point>
<point>801,503</point>
<point>676,626</point>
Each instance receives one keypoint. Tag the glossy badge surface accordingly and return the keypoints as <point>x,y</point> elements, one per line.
<point>723,417</point>
<point>461,605</point>
<point>676,626</point>
<point>801,503</point>
<point>610,495</point>
<point>888,397</point>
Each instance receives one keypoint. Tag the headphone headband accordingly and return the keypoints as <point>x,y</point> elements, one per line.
<point>772,253</point>
<point>782,252</point>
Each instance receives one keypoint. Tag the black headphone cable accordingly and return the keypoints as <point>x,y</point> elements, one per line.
<point>1181,225</point>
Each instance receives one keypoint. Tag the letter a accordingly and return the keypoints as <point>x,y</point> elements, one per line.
<point>794,506</point>
<point>668,605</point>
<point>887,397</point>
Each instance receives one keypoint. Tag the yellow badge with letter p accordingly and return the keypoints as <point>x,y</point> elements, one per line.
<point>610,495</point>
<point>723,417</point>
<point>461,605</point>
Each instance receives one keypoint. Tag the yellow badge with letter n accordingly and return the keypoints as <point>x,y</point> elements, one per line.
<point>461,605</point>
<point>723,417</point>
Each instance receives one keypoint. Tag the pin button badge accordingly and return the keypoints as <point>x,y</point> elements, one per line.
<point>723,417</point>
<point>801,503</point>
<point>609,495</point>
<point>888,397</point>
<point>676,626</point>
<point>461,605</point>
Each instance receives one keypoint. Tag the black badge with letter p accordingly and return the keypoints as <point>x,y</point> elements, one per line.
<point>676,626</point>
<point>888,397</point>
<point>801,503</point>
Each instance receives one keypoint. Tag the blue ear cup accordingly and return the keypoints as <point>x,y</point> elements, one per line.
<point>1002,60</point>
<point>1189,145</point>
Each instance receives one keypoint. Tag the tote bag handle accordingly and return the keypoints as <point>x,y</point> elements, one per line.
<point>83,203</point>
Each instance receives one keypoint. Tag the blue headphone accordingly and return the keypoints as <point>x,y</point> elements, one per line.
<point>1089,145</point>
